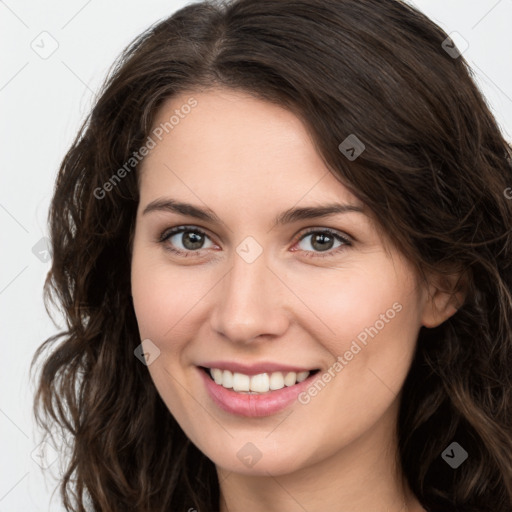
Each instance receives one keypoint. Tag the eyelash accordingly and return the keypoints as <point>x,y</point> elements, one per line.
<point>168,233</point>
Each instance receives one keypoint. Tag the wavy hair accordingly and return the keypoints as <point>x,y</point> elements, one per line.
<point>435,173</point>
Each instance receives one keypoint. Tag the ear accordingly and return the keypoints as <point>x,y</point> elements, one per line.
<point>445,295</point>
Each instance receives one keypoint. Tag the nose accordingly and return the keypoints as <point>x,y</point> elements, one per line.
<point>252,302</point>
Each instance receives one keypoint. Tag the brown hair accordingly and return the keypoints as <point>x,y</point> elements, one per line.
<point>434,171</point>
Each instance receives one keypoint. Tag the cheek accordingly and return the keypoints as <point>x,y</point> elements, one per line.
<point>350,302</point>
<point>163,297</point>
<point>163,314</point>
<point>371,320</point>
<point>373,326</point>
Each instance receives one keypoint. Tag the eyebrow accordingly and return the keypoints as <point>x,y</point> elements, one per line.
<point>287,217</point>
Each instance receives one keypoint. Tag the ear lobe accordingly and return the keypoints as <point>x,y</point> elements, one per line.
<point>445,297</point>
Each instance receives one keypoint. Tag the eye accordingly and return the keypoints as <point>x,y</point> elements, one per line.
<point>190,238</point>
<point>192,241</point>
<point>322,240</point>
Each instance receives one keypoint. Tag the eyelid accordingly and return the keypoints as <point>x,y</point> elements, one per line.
<point>168,232</point>
<point>341,234</point>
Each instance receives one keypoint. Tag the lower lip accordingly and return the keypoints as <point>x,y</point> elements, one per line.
<point>252,406</point>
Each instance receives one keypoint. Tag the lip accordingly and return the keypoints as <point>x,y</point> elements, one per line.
<point>255,368</point>
<point>253,406</point>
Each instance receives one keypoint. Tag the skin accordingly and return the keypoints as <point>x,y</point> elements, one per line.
<point>336,452</point>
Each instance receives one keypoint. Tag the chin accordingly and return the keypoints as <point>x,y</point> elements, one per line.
<point>259,458</point>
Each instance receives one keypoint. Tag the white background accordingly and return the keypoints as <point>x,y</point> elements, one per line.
<point>44,101</point>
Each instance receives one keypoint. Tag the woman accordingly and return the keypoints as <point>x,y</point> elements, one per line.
<point>282,243</point>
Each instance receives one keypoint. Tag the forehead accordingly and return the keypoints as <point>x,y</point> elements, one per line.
<point>230,144</point>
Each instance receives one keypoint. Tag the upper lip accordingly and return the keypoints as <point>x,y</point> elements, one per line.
<point>255,368</point>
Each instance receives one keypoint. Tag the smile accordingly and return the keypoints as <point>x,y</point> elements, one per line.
<point>261,394</point>
<point>260,383</point>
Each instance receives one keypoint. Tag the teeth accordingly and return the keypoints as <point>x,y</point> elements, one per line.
<point>290,379</point>
<point>276,381</point>
<point>302,376</point>
<point>227,379</point>
<point>217,375</point>
<point>241,382</point>
<point>261,383</point>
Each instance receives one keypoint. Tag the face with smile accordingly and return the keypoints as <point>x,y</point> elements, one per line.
<point>257,286</point>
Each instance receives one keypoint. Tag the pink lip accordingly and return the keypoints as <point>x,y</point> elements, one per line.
<point>254,369</point>
<point>252,406</point>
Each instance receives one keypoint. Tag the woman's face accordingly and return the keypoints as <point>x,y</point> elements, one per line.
<point>250,296</point>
